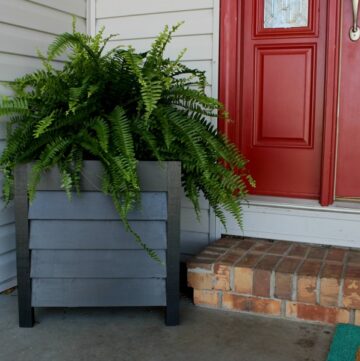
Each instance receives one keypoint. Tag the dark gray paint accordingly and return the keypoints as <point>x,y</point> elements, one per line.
<point>96,264</point>
<point>94,206</point>
<point>98,292</point>
<point>152,177</point>
<point>74,269</point>
<point>71,234</point>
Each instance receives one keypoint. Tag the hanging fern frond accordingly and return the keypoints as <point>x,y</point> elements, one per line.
<point>118,108</point>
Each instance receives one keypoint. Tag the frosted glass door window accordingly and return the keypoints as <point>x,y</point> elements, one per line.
<point>286,13</point>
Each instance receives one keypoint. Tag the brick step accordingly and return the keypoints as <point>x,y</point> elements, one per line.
<point>278,278</point>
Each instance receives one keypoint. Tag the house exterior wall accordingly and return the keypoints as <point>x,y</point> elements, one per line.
<point>24,27</point>
<point>138,23</point>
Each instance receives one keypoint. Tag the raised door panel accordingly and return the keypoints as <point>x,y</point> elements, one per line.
<point>280,105</point>
<point>284,111</point>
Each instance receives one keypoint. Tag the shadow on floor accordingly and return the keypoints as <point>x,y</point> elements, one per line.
<point>139,334</point>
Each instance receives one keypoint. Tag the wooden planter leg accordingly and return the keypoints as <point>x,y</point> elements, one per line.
<point>173,249</point>
<point>26,311</point>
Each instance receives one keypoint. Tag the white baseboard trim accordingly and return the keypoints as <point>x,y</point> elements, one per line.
<point>299,221</point>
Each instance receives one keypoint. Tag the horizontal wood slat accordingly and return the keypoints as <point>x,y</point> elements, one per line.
<point>128,27</point>
<point>7,238</point>
<point>75,7</point>
<point>7,266</point>
<point>15,66</point>
<point>94,206</point>
<point>33,16</point>
<point>95,292</point>
<point>111,8</point>
<point>95,264</point>
<point>199,47</point>
<point>16,40</point>
<point>152,177</point>
<point>89,235</point>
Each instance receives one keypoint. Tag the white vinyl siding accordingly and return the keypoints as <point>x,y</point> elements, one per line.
<point>137,23</point>
<point>26,26</point>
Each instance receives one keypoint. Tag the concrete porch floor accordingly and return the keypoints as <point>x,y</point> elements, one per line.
<point>140,334</point>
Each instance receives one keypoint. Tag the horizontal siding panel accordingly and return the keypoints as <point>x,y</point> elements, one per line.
<point>15,66</point>
<point>7,238</point>
<point>193,242</point>
<point>94,206</point>
<point>198,47</point>
<point>205,66</point>
<point>4,90</point>
<point>95,264</point>
<point>7,266</point>
<point>75,7</point>
<point>186,203</point>
<point>5,285</point>
<point>29,15</point>
<point>110,8</point>
<point>189,222</point>
<point>98,292</point>
<point>20,41</point>
<point>95,235</point>
<point>149,26</point>
<point>7,214</point>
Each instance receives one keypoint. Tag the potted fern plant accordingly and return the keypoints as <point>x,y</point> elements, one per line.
<point>124,130</point>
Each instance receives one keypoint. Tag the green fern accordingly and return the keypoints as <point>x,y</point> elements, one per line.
<point>120,107</point>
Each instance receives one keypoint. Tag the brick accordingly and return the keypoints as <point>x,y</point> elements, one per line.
<point>298,251</point>
<point>284,277</point>
<point>357,318</point>
<point>200,280</point>
<point>291,309</point>
<point>354,258</point>
<point>245,244</point>
<point>279,248</point>
<point>288,265</point>
<point>251,304</point>
<point>262,246</point>
<point>222,277</point>
<point>336,255</point>
<point>243,280</point>
<point>283,285</point>
<point>343,316</point>
<point>262,275</point>
<point>353,272</point>
<point>310,268</point>
<point>306,289</point>
<point>330,284</point>
<point>226,242</point>
<point>199,263</point>
<point>351,296</point>
<point>317,253</point>
<point>307,312</point>
<point>243,273</point>
<point>206,298</point>
<point>307,281</point>
<point>231,257</point>
<point>250,260</point>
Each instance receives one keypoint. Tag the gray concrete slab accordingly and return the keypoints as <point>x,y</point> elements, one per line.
<point>140,334</point>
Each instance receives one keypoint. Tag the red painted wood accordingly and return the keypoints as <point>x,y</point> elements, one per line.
<point>275,94</point>
<point>348,164</point>
<point>331,103</point>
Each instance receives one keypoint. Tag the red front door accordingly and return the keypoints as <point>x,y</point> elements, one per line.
<point>348,156</point>
<point>280,94</point>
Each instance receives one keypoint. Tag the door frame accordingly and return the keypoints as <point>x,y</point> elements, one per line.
<point>230,78</point>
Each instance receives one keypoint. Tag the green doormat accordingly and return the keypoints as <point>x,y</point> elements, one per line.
<point>345,344</point>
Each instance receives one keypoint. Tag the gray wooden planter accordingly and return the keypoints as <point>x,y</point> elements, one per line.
<point>78,254</point>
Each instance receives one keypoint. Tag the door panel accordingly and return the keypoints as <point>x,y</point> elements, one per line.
<point>348,160</point>
<point>281,101</point>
